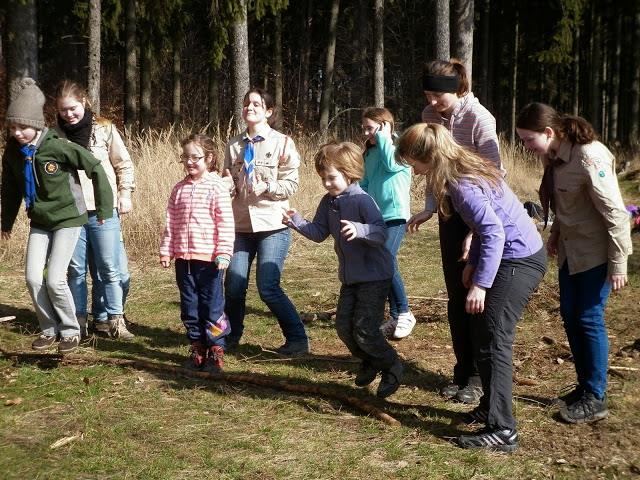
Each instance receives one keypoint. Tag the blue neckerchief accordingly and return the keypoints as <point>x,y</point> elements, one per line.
<point>29,180</point>
<point>248,159</point>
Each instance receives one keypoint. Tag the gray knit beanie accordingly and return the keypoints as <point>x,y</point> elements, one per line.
<point>27,101</point>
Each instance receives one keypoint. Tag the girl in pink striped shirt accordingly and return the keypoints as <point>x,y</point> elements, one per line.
<point>199,234</point>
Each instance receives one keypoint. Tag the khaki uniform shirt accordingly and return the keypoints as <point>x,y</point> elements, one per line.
<point>276,162</point>
<point>591,218</point>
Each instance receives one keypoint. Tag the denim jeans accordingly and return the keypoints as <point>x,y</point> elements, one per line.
<point>270,249</point>
<point>583,297</point>
<point>100,243</point>
<point>98,306</point>
<point>52,299</point>
<point>398,302</point>
<point>201,299</point>
<point>358,318</point>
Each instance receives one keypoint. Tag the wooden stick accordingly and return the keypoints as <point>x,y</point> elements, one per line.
<point>251,378</point>
<point>624,369</point>
<point>433,299</point>
<point>7,319</point>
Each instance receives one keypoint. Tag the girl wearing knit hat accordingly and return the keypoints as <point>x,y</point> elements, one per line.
<point>43,169</point>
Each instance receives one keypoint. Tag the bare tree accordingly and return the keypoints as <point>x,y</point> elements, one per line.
<point>240,60</point>
<point>95,19</point>
<point>327,86</point>
<point>277,57</point>
<point>378,63</point>
<point>21,40</point>
<point>177,80</point>
<point>145,83</point>
<point>131,66</point>
<point>634,100</point>
<point>462,34</point>
<point>441,32</point>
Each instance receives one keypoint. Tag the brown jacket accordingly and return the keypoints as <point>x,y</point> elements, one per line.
<point>591,218</point>
<point>276,162</point>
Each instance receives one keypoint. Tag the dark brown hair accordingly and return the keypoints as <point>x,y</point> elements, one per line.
<point>268,103</point>
<point>451,67</point>
<point>538,116</point>
<point>207,145</point>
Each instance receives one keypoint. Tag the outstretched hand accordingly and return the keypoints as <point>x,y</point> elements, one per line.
<point>287,215</point>
<point>418,219</point>
<point>348,230</point>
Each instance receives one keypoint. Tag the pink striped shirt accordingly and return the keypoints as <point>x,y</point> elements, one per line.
<point>199,223</point>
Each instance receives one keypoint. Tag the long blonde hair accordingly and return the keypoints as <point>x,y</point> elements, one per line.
<point>447,162</point>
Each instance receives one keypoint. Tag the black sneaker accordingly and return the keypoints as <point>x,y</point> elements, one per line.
<point>68,344</point>
<point>568,398</point>
<point>587,409</point>
<point>365,375</point>
<point>449,391</point>
<point>500,440</point>
<point>390,381</point>
<point>43,342</point>
<point>470,394</point>
<point>293,349</point>
<point>475,416</point>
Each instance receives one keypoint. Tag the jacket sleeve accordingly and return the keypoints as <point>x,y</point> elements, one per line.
<point>11,193</point>
<point>485,138</point>
<point>318,229</point>
<point>371,229</point>
<point>607,199</point>
<point>287,182</point>
<point>166,242</point>
<point>224,223</point>
<point>122,164</point>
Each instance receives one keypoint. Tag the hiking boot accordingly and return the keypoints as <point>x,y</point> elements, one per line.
<point>197,357</point>
<point>102,328</point>
<point>390,381</point>
<point>294,349</point>
<point>475,416</point>
<point>500,440</point>
<point>68,344</point>
<point>587,409</point>
<point>406,322</point>
<point>118,329</point>
<point>365,375</point>
<point>470,394</point>
<point>389,327</point>
<point>569,398</point>
<point>449,391</point>
<point>84,331</point>
<point>231,345</point>
<point>215,359</point>
<point>43,342</point>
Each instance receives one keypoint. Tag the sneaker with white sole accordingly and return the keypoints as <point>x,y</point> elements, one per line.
<point>406,322</point>
<point>118,329</point>
<point>44,342</point>
<point>68,344</point>
<point>490,439</point>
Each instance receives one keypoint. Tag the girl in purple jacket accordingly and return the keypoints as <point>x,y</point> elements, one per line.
<point>506,263</point>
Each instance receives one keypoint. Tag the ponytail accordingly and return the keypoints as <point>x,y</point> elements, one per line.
<point>538,116</point>
<point>578,130</point>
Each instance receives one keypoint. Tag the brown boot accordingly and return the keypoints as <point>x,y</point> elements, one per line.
<point>197,358</point>
<point>215,359</point>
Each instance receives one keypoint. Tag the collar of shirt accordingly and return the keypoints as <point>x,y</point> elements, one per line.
<point>563,153</point>
<point>263,131</point>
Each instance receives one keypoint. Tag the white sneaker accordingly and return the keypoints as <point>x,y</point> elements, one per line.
<point>406,322</point>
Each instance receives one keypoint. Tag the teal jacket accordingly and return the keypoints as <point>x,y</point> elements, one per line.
<point>59,202</point>
<point>388,182</point>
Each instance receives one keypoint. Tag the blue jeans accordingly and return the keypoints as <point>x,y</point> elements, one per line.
<point>271,249</point>
<point>98,306</point>
<point>583,297</point>
<point>201,300</point>
<point>100,243</point>
<point>398,302</point>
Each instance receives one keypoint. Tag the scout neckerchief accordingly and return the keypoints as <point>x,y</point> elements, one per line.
<point>249,162</point>
<point>29,180</point>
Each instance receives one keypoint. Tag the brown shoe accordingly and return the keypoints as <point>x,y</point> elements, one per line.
<point>197,357</point>
<point>43,342</point>
<point>68,344</point>
<point>118,329</point>
<point>215,359</point>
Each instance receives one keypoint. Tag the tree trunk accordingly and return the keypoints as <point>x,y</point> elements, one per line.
<point>277,69</point>
<point>596,68</point>
<point>378,63</point>
<point>21,41</point>
<point>240,60</point>
<point>463,11</point>
<point>614,96</point>
<point>131,67</point>
<point>485,63</point>
<point>95,20</point>
<point>441,32</point>
<point>514,77</point>
<point>213,115</point>
<point>575,100</point>
<point>145,85</point>
<point>327,86</point>
<point>634,97</point>
<point>177,81</point>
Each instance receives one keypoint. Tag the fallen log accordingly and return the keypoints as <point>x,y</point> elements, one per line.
<point>245,378</point>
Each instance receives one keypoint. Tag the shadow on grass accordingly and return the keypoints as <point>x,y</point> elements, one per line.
<point>25,323</point>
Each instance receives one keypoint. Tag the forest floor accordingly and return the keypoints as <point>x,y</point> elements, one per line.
<point>91,419</point>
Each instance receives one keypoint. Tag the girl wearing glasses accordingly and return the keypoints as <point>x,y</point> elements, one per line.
<point>365,270</point>
<point>199,234</point>
<point>100,249</point>
<point>261,166</point>
<point>389,183</point>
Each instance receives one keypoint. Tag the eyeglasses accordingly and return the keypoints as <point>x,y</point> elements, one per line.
<point>190,158</point>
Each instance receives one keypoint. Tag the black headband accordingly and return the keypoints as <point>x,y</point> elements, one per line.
<point>440,83</point>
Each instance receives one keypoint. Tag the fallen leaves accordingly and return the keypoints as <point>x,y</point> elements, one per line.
<point>65,440</point>
<point>13,401</point>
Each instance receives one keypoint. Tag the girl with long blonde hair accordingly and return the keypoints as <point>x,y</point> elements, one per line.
<point>506,263</point>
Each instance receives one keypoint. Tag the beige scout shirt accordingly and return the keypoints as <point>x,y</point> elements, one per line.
<point>591,218</point>
<point>276,162</point>
<point>105,143</point>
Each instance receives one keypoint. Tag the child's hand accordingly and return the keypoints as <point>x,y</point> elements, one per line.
<point>260,187</point>
<point>228,180</point>
<point>6,235</point>
<point>165,262</point>
<point>348,230</point>
<point>222,262</point>
<point>385,129</point>
<point>475,299</point>
<point>287,215</point>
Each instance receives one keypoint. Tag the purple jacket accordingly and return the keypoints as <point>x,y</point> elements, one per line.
<point>500,224</point>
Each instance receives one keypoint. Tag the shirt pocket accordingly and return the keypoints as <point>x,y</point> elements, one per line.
<point>267,167</point>
<point>569,197</point>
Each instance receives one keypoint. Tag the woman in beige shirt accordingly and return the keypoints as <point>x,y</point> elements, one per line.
<point>591,237</point>
<point>263,164</point>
